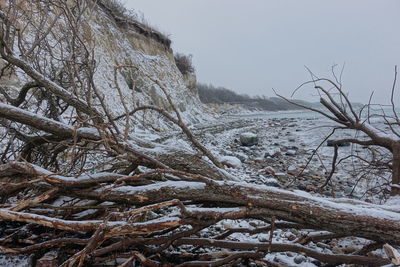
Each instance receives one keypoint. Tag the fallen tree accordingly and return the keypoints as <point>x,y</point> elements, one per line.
<point>175,204</point>
<point>382,225</point>
<point>383,144</point>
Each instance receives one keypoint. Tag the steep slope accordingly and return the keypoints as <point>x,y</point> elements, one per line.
<point>129,57</point>
<point>121,43</point>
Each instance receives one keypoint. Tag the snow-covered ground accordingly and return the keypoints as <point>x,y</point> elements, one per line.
<point>288,142</point>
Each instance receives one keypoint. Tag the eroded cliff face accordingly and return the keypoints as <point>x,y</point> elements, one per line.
<point>129,59</point>
<point>144,57</point>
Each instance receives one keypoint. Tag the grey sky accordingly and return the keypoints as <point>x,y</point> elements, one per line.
<point>255,45</point>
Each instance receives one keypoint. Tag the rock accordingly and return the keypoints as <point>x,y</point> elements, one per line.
<point>248,139</point>
<point>292,170</point>
<point>243,157</point>
<point>271,182</point>
<point>280,175</point>
<point>323,245</point>
<point>294,231</point>
<point>245,149</point>
<point>273,153</point>
<point>263,237</point>
<point>290,152</point>
<point>289,236</point>
<point>269,170</point>
<point>302,187</point>
<point>339,194</point>
<point>316,262</point>
<point>348,191</point>
<point>232,162</point>
<point>299,259</point>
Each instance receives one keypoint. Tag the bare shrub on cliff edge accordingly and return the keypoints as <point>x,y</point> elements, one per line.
<point>184,63</point>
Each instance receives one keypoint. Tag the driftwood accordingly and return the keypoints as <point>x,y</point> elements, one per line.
<point>174,202</point>
<point>339,109</point>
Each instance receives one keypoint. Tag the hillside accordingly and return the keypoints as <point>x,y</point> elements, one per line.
<point>219,95</point>
<point>129,57</point>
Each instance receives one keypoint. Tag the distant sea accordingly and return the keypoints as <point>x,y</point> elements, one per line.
<point>295,114</point>
<point>306,114</point>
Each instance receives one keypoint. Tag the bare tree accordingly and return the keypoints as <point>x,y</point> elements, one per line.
<point>339,109</point>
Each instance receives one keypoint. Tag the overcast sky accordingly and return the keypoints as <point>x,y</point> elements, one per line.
<point>252,46</point>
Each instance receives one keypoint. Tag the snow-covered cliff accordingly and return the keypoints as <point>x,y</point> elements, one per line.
<point>146,57</point>
<point>129,56</point>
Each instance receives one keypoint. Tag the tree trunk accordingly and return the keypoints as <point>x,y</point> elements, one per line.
<point>396,170</point>
<point>352,218</point>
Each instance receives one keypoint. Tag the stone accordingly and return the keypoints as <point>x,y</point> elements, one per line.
<point>248,139</point>
<point>323,245</point>
<point>348,190</point>
<point>243,157</point>
<point>273,153</point>
<point>263,237</point>
<point>270,160</point>
<point>271,182</point>
<point>245,149</point>
<point>289,236</point>
<point>269,170</point>
<point>299,259</point>
<point>302,187</point>
<point>280,175</point>
<point>290,152</point>
<point>316,263</point>
<point>294,231</point>
<point>292,170</point>
<point>232,162</point>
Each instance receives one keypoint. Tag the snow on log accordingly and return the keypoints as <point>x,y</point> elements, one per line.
<point>355,219</point>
